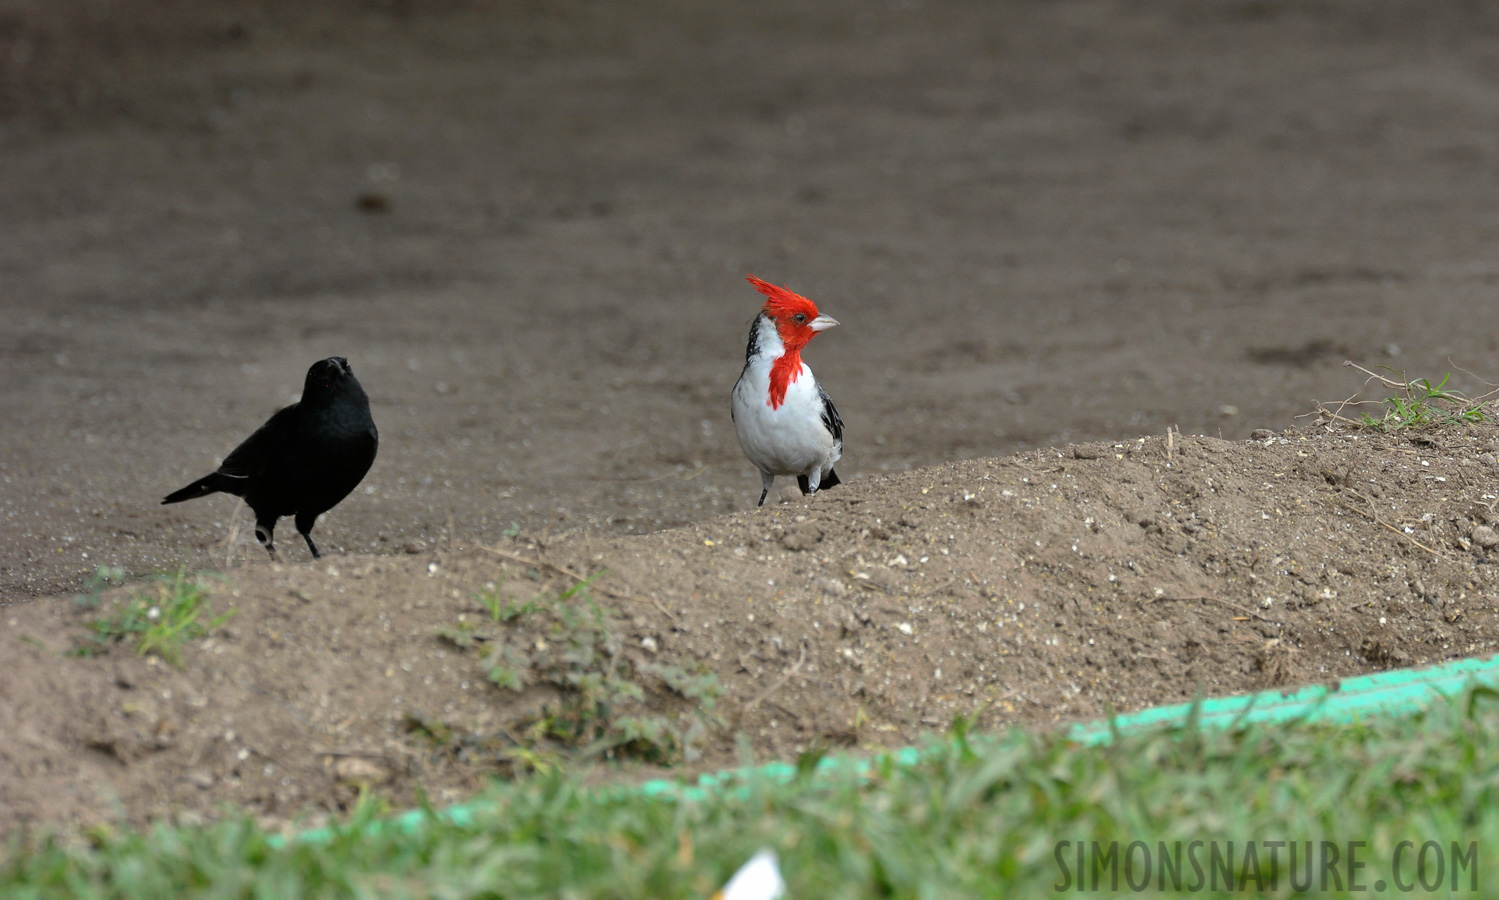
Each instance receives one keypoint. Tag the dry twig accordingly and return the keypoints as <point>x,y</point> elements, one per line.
<point>1206,599</point>
<point>232,539</point>
<point>778,683</point>
<point>1381,522</point>
<point>539,563</point>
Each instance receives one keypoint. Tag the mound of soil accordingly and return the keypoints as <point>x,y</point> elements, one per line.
<point>1035,589</point>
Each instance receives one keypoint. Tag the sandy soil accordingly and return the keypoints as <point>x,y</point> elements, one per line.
<point>1041,225</point>
<point>1035,589</point>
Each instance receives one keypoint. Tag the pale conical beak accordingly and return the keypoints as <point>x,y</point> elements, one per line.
<point>822,323</point>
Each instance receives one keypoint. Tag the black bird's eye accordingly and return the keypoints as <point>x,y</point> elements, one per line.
<point>801,318</point>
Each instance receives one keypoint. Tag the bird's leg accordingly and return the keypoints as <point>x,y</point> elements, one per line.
<point>766,480</point>
<point>304,527</point>
<point>265,532</point>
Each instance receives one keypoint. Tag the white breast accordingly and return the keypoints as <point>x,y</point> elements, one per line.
<point>790,439</point>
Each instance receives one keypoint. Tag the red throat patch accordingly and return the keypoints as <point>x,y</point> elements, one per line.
<point>782,372</point>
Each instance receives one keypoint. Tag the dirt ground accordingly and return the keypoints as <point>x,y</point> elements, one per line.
<point>1038,589</point>
<point>1042,225</point>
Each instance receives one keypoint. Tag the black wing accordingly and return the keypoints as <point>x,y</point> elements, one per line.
<point>830,418</point>
<point>252,456</point>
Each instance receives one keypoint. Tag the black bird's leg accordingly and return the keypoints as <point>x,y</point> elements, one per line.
<point>265,532</point>
<point>304,527</point>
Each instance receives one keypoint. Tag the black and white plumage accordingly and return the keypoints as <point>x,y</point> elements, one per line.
<point>304,459</point>
<point>786,423</point>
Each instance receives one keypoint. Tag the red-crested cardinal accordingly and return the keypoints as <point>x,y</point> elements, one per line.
<point>786,422</point>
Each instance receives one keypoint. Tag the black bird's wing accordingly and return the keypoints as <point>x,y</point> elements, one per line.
<point>252,455</point>
<point>239,469</point>
<point>830,417</point>
<point>834,424</point>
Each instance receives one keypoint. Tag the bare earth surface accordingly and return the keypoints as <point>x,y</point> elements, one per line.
<point>1043,225</point>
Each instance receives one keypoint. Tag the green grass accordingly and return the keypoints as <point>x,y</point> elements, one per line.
<point>160,620</point>
<point>500,608</point>
<point>1422,404</point>
<point>968,820</point>
<point>1416,404</point>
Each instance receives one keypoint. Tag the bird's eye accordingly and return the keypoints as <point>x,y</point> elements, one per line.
<point>800,318</point>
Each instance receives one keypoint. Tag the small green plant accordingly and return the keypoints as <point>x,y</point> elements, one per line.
<point>437,731</point>
<point>580,658</point>
<point>463,635</point>
<point>701,686</point>
<point>500,609</point>
<point>159,621</point>
<point>810,759</point>
<point>565,643</point>
<point>509,667</point>
<point>1421,403</point>
<point>702,690</point>
<point>962,727</point>
<point>104,577</point>
<point>1416,404</point>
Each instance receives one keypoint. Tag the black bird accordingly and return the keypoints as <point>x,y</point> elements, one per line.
<point>304,459</point>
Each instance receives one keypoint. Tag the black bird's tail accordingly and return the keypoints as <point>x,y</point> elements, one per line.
<point>828,480</point>
<point>208,484</point>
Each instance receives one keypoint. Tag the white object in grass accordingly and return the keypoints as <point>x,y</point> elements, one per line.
<point>758,879</point>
